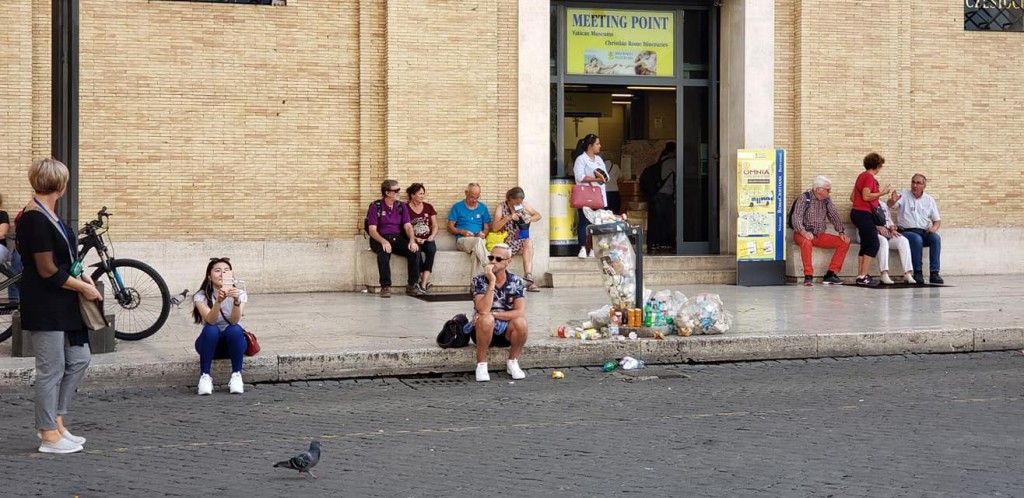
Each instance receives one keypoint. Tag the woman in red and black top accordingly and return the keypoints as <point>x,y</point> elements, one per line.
<point>423,217</point>
<point>865,197</point>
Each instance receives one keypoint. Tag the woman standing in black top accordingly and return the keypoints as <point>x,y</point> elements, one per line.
<point>49,305</point>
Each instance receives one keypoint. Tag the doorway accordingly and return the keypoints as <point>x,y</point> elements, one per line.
<point>642,103</point>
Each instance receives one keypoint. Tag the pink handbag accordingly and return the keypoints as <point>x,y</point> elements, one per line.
<point>584,195</point>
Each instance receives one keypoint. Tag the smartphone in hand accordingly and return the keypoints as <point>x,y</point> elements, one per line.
<point>227,280</point>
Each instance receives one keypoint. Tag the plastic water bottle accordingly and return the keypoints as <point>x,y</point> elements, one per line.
<point>648,313</point>
<point>659,314</point>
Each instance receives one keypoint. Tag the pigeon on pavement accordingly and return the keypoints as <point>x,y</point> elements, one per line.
<point>304,461</point>
<point>180,298</point>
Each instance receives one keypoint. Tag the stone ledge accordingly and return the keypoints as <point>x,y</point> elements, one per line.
<point>543,353</point>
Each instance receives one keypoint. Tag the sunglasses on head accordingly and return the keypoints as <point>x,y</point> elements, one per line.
<point>221,259</point>
<point>496,259</point>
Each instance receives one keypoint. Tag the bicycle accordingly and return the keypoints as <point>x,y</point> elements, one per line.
<point>7,307</point>
<point>140,293</point>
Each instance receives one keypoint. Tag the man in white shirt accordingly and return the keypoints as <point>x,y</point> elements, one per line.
<point>919,222</point>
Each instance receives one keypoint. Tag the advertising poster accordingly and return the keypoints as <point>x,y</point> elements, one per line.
<point>761,227</point>
<point>619,42</point>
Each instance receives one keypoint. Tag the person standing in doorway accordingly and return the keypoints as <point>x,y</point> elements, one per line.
<point>588,168</point>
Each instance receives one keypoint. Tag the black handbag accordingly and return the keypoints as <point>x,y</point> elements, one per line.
<point>878,215</point>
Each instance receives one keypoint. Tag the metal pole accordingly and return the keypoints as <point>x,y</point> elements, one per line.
<point>64,100</point>
<point>638,247</point>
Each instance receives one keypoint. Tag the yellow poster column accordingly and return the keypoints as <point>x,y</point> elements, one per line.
<point>562,218</point>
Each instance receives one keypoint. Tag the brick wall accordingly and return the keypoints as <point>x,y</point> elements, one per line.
<point>15,102</point>
<point>906,80</point>
<point>202,121</point>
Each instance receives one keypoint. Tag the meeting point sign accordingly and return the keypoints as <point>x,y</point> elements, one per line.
<point>994,15</point>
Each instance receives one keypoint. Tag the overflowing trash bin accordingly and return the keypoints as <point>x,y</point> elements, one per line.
<point>634,312</point>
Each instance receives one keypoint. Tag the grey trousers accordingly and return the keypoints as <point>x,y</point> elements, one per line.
<point>59,369</point>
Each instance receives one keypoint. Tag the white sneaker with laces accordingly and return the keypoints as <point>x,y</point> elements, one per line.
<point>235,385</point>
<point>908,277</point>
<point>62,446</point>
<point>481,372</point>
<point>583,253</point>
<point>886,280</point>
<point>513,369</point>
<point>205,384</point>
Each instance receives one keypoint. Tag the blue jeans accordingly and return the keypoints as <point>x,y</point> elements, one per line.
<point>216,343</point>
<point>12,292</point>
<point>919,239</point>
<point>581,228</point>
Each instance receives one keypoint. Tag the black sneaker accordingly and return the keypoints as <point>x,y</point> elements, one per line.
<point>866,280</point>
<point>919,278</point>
<point>809,280</point>
<point>832,279</point>
<point>935,278</point>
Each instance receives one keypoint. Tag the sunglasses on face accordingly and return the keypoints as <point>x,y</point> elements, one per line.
<point>395,190</point>
<point>495,259</point>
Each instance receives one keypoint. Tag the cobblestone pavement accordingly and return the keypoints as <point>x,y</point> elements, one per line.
<point>936,425</point>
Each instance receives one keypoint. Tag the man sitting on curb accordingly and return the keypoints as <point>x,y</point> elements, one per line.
<point>919,222</point>
<point>470,222</point>
<point>810,212</point>
<point>499,302</point>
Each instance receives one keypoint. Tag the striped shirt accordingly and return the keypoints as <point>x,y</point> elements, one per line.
<point>810,214</point>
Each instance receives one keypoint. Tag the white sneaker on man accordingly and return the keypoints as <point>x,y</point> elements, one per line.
<point>235,385</point>
<point>583,253</point>
<point>512,367</point>
<point>205,384</point>
<point>481,372</point>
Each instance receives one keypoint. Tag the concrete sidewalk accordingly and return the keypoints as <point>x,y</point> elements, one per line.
<point>336,335</point>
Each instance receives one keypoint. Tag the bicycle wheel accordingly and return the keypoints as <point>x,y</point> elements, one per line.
<point>6,317</point>
<point>142,307</point>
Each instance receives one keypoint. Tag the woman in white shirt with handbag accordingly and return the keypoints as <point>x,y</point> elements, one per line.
<point>589,169</point>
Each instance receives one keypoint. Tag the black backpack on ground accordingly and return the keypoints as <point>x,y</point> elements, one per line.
<point>451,335</point>
<point>805,197</point>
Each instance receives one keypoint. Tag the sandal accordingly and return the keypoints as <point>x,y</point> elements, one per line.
<point>530,285</point>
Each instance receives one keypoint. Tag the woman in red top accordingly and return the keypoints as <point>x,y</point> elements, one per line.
<point>424,227</point>
<point>865,197</point>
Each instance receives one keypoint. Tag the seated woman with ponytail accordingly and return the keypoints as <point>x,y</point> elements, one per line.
<point>218,306</point>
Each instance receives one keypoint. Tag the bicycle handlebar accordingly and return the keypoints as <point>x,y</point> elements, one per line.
<point>97,223</point>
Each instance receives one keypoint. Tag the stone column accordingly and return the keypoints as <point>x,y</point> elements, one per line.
<point>747,115</point>
<point>534,122</point>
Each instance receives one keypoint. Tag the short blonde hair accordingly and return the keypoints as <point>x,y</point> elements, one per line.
<point>48,175</point>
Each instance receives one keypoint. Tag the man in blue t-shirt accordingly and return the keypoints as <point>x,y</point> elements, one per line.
<point>469,220</point>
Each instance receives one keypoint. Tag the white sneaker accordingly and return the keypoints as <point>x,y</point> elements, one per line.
<point>61,446</point>
<point>235,385</point>
<point>886,280</point>
<point>512,366</point>
<point>67,435</point>
<point>908,277</point>
<point>583,253</point>
<point>205,384</point>
<point>481,372</point>
<point>591,255</point>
